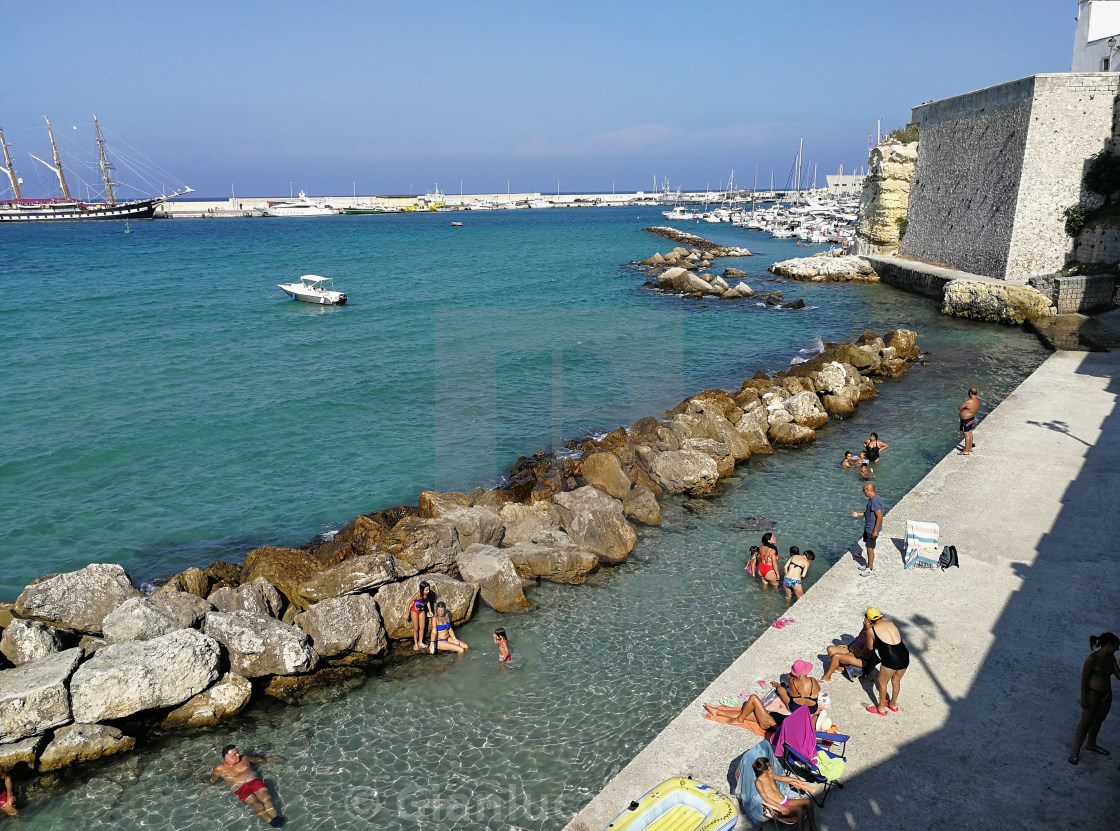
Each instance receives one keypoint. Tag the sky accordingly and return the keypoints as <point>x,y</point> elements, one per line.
<point>392,98</point>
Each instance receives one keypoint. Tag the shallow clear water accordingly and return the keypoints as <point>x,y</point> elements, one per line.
<point>167,406</point>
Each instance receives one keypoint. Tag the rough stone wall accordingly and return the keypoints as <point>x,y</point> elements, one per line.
<point>1097,244</point>
<point>1089,293</point>
<point>886,193</point>
<point>1071,120</point>
<point>966,185</point>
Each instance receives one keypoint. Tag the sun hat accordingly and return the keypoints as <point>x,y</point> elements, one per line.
<point>874,614</point>
<point>801,668</point>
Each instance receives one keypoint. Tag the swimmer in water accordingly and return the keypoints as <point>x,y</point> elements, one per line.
<point>848,460</point>
<point>236,770</point>
<point>502,640</point>
<point>7,798</point>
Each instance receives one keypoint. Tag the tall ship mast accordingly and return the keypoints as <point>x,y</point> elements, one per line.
<point>66,208</point>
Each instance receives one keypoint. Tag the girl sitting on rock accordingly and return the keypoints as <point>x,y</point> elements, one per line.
<point>442,635</point>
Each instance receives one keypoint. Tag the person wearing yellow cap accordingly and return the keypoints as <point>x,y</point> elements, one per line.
<point>883,638</point>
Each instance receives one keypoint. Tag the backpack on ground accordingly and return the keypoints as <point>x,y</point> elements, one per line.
<point>948,557</point>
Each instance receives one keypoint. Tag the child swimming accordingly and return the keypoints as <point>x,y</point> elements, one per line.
<point>502,640</point>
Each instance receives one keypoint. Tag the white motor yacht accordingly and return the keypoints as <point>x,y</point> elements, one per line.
<point>314,289</point>
<point>298,207</point>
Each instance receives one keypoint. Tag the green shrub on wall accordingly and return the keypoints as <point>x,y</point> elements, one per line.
<point>902,223</point>
<point>1102,176</point>
<point>1076,217</point>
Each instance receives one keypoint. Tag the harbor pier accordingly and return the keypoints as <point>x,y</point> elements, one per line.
<point>990,700</point>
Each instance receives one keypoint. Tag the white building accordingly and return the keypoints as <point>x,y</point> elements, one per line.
<point>847,184</point>
<point>1096,46</point>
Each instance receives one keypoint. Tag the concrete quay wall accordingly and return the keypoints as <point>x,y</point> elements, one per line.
<point>990,701</point>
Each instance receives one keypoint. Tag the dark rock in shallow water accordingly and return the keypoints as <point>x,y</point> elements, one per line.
<point>796,304</point>
<point>697,506</point>
<point>754,523</point>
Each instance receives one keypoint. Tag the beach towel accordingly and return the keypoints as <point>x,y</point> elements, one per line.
<point>796,731</point>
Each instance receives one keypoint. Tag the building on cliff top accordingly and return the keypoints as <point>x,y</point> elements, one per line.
<point>1097,40</point>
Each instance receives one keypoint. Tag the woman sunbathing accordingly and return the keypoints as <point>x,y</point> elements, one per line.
<point>752,713</point>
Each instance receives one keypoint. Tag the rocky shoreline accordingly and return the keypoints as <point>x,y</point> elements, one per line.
<point>681,271</point>
<point>825,268</point>
<point>92,662</point>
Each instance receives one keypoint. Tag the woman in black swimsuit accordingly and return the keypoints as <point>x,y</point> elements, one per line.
<point>1096,693</point>
<point>874,447</point>
<point>883,638</point>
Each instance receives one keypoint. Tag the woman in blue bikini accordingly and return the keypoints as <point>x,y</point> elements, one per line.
<point>1096,693</point>
<point>797,566</point>
<point>442,635</point>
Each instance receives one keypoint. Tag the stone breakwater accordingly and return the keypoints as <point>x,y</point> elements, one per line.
<point>681,271</point>
<point>92,662</point>
<point>824,268</point>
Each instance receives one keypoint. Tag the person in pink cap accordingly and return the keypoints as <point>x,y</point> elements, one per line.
<point>802,691</point>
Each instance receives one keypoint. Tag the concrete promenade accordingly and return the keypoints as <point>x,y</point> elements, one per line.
<point>990,701</point>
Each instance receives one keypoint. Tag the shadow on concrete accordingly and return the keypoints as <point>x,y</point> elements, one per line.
<point>1059,427</point>
<point>999,761</point>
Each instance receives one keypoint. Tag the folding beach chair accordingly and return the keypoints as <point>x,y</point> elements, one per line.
<point>922,546</point>
<point>810,771</point>
<point>749,800</point>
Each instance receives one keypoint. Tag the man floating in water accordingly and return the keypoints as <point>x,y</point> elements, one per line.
<point>247,784</point>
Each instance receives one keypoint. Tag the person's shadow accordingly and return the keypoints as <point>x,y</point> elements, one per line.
<point>858,554</point>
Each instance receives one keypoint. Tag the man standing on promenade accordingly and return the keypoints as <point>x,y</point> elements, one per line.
<point>968,410</point>
<point>872,522</point>
<point>247,784</point>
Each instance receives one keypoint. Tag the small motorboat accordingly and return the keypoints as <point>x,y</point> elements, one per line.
<point>312,288</point>
<point>456,224</point>
<point>681,805</point>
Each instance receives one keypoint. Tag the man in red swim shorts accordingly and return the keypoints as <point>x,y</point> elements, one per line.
<point>247,784</point>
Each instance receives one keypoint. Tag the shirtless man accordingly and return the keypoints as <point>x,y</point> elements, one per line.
<point>246,783</point>
<point>968,411</point>
<point>799,810</point>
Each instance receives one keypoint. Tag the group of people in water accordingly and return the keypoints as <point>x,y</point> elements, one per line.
<point>872,449</point>
<point>429,615</point>
<point>764,563</point>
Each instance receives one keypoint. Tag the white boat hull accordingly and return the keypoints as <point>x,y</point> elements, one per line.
<point>320,297</point>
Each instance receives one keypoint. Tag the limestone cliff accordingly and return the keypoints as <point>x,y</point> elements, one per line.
<point>886,193</point>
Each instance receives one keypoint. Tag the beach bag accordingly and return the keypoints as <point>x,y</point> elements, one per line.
<point>948,557</point>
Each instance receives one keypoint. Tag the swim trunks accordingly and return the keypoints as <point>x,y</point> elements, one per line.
<point>248,789</point>
<point>3,797</point>
<point>870,539</point>
<point>967,424</point>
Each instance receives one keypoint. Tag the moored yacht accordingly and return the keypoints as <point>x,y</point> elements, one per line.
<point>301,206</point>
<point>312,288</point>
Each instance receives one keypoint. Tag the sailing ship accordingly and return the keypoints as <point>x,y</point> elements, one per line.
<point>66,208</point>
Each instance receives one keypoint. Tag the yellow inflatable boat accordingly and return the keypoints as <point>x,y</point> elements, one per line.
<point>678,805</point>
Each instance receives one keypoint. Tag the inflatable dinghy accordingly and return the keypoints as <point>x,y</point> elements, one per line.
<point>678,805</point>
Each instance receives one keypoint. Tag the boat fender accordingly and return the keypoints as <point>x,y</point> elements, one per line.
<point>633,806</point>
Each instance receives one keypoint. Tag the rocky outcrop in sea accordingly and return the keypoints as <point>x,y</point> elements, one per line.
<point>885,196</point>
<point>93,663</point>
<point>824,268</point>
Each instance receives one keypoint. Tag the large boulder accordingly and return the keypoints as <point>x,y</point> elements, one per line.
<point>392,601</point>
<point>344,624</point>
<point>523,522</point>
<point>840,404</point>
<point>423,544</point>
<point>25,751</point>
<point>220,703</point>
<point>595,521</point>
<point>34,697</point>
<point>551,555</point>
<point>142,618</point>
<point>358,574</point>
<point>752,427</point>
<point>287,568</point>
<point>791,435</point>
<point>717,450</point>
<point>192,581</point>
<point>125,678</point>
<point>905,341</point>
<point>806,410</point>
<point>831,378</point>
<point>604,471</point>
<point>83,743</point>
<point>260,645</point>
<point>244,598</point>
<point>714,426</point>
<point>682,471</point>
<point>434,504</point>
<point>822,268</point>
<point>362,535</point>
<point>27,640</point>
<point>481,526</point>
<point>77,600</point>
<point>641,506</point>
<point>498,583</point>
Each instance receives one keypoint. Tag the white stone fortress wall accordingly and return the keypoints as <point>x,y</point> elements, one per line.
<point>997,168</point>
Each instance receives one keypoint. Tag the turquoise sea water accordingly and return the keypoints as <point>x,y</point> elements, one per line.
<point>165,405</point>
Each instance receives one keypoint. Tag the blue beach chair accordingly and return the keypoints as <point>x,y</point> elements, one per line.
<point>810,771</point>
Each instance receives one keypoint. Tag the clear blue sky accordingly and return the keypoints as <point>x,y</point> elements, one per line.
<point>399,96</point>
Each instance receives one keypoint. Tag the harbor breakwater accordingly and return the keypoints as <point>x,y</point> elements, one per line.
<point>97,663</point>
